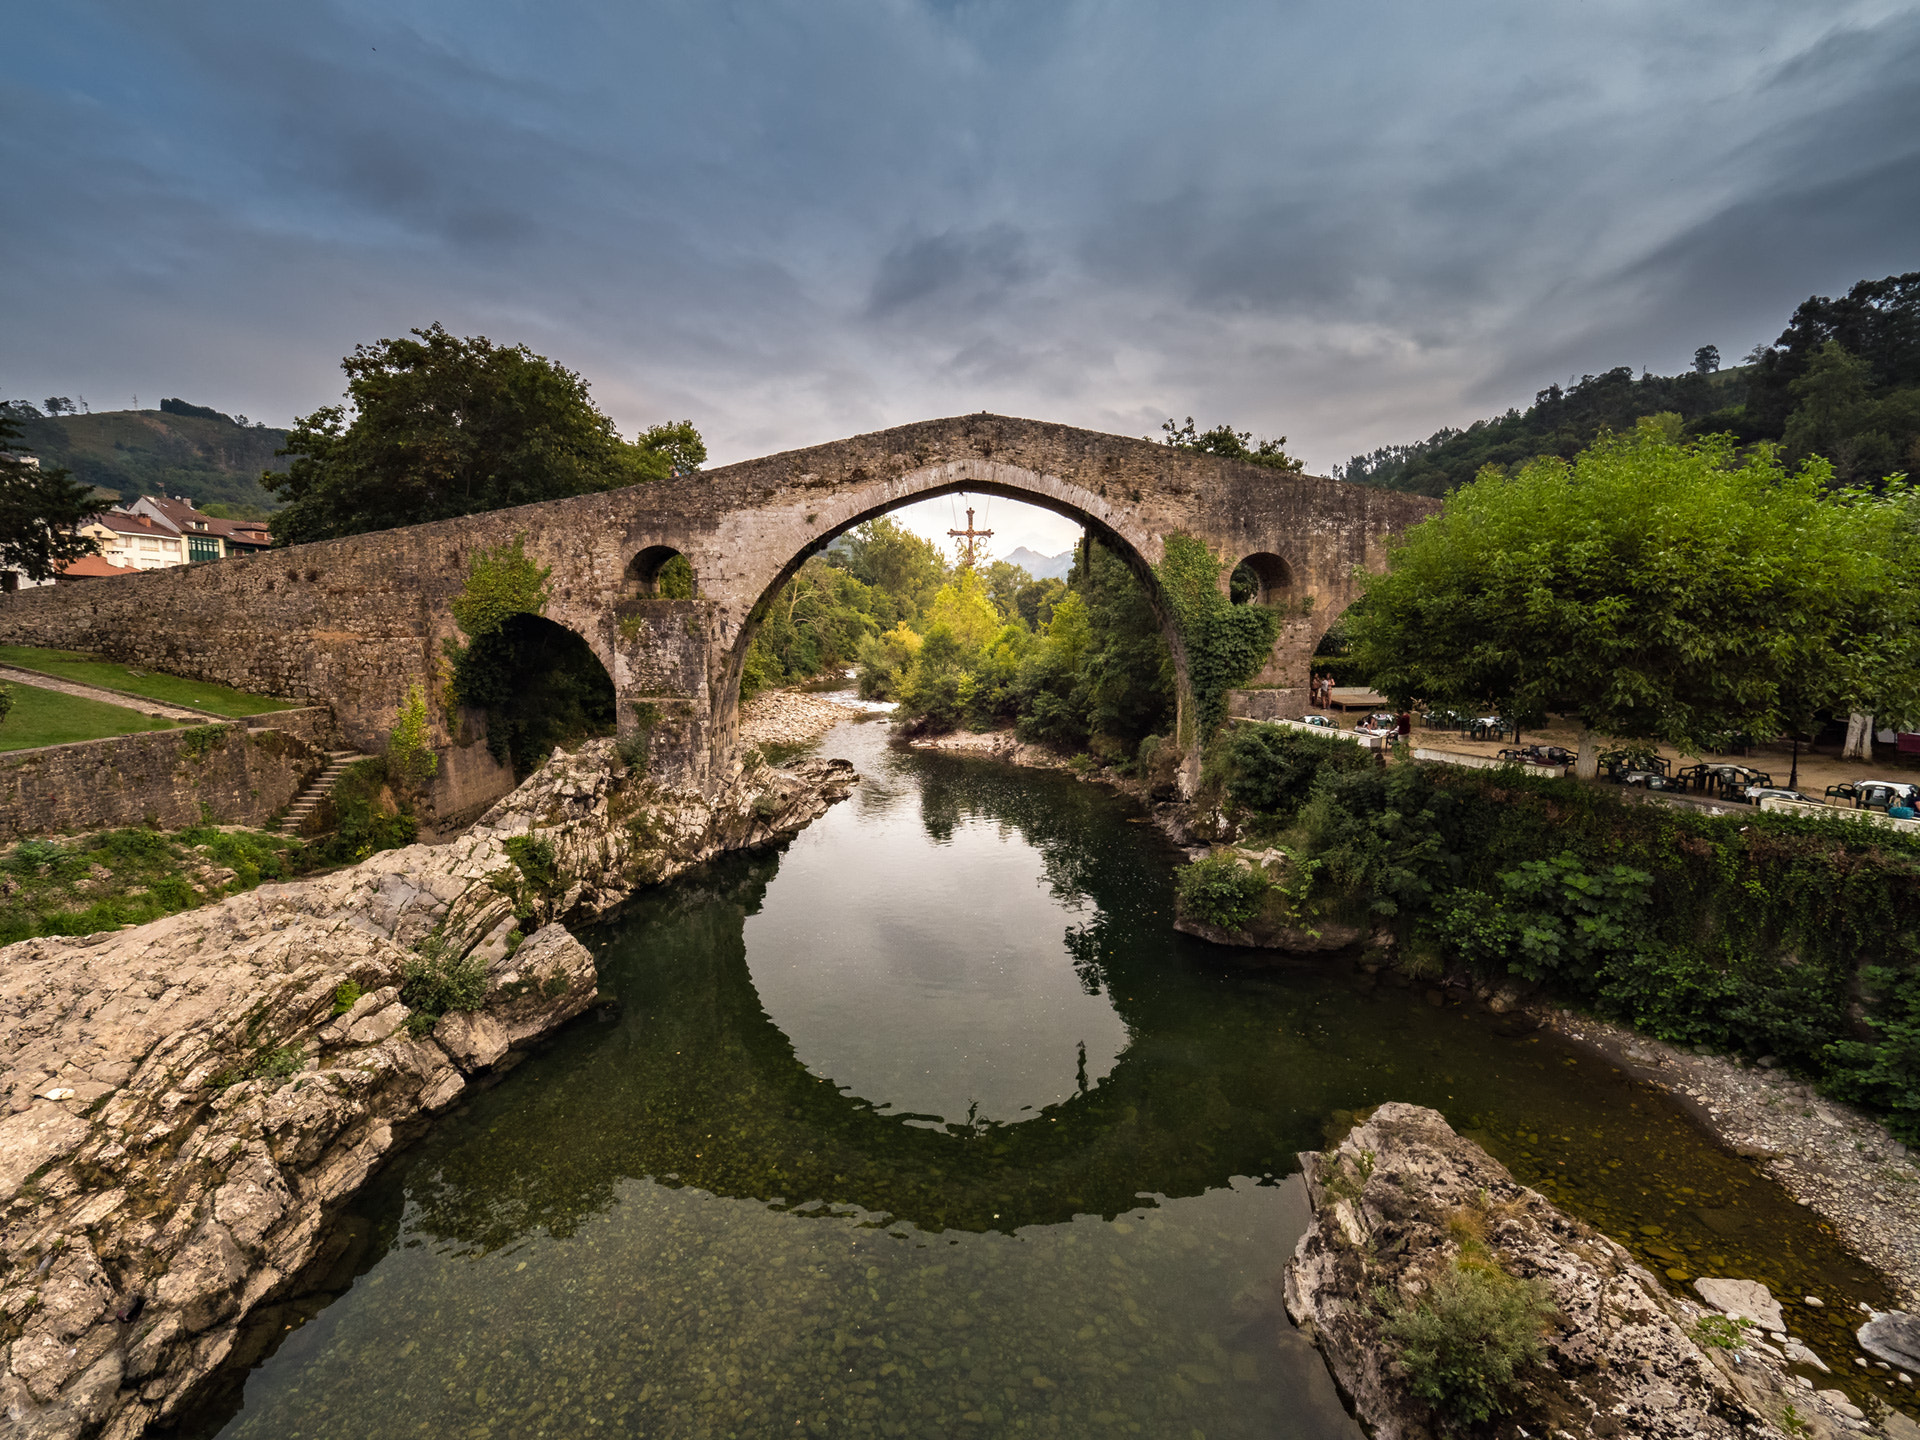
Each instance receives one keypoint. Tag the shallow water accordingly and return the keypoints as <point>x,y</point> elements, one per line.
<point>931,1125</point>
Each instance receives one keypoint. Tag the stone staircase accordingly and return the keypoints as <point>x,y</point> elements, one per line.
<point>322,786</point>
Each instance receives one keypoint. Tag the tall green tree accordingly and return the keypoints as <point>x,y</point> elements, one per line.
<point>444,426</point>
<point>1653,590</point>
<point>40,510</point>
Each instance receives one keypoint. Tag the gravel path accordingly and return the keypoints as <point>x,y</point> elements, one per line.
<point>144,706</point>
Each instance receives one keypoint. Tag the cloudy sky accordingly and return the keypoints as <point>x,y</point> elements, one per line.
<point>1348,223</point>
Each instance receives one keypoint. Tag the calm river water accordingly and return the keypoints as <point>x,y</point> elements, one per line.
<point>931,1125</point>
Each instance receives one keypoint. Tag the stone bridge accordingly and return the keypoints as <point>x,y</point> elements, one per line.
<point>353,623</point>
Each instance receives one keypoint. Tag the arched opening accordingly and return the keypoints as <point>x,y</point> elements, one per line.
<point>1120,614</point>
<point>540,685</point>
<point>659,572</point>
<point>1261,579</point>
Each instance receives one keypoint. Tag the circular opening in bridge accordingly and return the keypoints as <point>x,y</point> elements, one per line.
<point>1260,579</point>
<point>659,572</point>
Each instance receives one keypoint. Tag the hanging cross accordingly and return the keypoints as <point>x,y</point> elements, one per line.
<point>970,535</point>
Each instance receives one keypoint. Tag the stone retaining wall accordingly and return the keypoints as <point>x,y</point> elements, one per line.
<point>237,773</point>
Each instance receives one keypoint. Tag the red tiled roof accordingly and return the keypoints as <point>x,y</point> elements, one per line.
<point>93,567</point>
<point>192,521</point>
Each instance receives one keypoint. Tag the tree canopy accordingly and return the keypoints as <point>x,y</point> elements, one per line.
<point>1654,589</point>
<point>443,426</point>
<point>40,510</point>
<point>1231,444</point>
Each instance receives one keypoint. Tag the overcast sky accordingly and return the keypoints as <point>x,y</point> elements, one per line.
<point>1348,223</point>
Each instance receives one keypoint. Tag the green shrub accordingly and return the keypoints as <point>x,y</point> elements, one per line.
<point>345,996</point>
<point>537,861</point>
<point>410,757</point>
<point>1466,1342</point>
<point>434,982</point>
<point>1270,769</point>
<point>367,815</point>
<point>1221,890</point>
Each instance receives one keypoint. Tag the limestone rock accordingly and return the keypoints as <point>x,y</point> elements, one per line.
<point>1894,1337</point>
<point>228,1111</point>
<point>1390,1202</point>
<point>1743,1300</point>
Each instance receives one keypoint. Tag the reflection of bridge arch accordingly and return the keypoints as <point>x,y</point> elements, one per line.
<point>354,623</point>
<point>677,1074</point>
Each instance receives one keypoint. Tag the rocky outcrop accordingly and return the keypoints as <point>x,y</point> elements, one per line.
<point>1395,1202</point>
<point>187,1101</point>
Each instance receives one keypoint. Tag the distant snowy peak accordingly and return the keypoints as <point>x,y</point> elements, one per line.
<point>1041,567</point>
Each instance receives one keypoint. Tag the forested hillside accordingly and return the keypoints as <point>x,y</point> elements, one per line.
<point>191,451</point>
<point>1841,382</point>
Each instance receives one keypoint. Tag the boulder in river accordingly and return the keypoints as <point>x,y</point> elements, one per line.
<point>1403,1202</point>
<point>1893,1336</point>
<point>1743,1300</point>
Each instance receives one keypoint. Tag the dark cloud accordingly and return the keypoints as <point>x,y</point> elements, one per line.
<point>797,220</point>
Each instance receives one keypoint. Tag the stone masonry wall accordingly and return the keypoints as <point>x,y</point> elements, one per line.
<point>229,773</point>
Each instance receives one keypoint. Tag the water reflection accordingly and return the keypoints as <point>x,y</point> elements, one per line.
<point>794,1184</point>
<point>937,982</point>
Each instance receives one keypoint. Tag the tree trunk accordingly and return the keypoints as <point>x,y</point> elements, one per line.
<point>1587,767</point>
<point>1859,744</point>
<point>1793,778</point>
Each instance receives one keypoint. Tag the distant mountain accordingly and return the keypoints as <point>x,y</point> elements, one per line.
<point>200,453</point>
<point>1042,567</point>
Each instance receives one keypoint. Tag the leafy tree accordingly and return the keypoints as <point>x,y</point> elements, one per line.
<point>1877,320</point>
<point>443,426</point>
<point>59,405</point>
<point>1231,444</point>
<point>1838,416</point>
<point>1706,360</point>
<point>889,558</point>
<point>1654,590</point>
<point>40,510</point>
<point>819,620</point>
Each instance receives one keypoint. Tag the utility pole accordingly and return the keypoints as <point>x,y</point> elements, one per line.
<point>970,535</point>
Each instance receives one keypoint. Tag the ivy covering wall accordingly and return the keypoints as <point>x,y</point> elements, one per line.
<point>1226,644</point>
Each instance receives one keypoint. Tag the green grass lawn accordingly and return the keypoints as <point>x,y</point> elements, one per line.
<point>46,717</point>
<point>92,670</point>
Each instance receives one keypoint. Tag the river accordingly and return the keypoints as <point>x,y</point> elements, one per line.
<point>930,1124</point>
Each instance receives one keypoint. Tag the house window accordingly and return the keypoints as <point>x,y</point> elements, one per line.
<point>172,547</point>
<point>146,544</point>
<point>202,547</point>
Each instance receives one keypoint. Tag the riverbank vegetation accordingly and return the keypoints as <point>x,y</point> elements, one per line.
<point>128,877</point>
<point>1796,937</point>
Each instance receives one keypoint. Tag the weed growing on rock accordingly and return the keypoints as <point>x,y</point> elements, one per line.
<point>1721,1332</point>
<point>1465,1343</point>
<point>1221,890</point>
<point>434,982</point>
<point>345,995</point>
